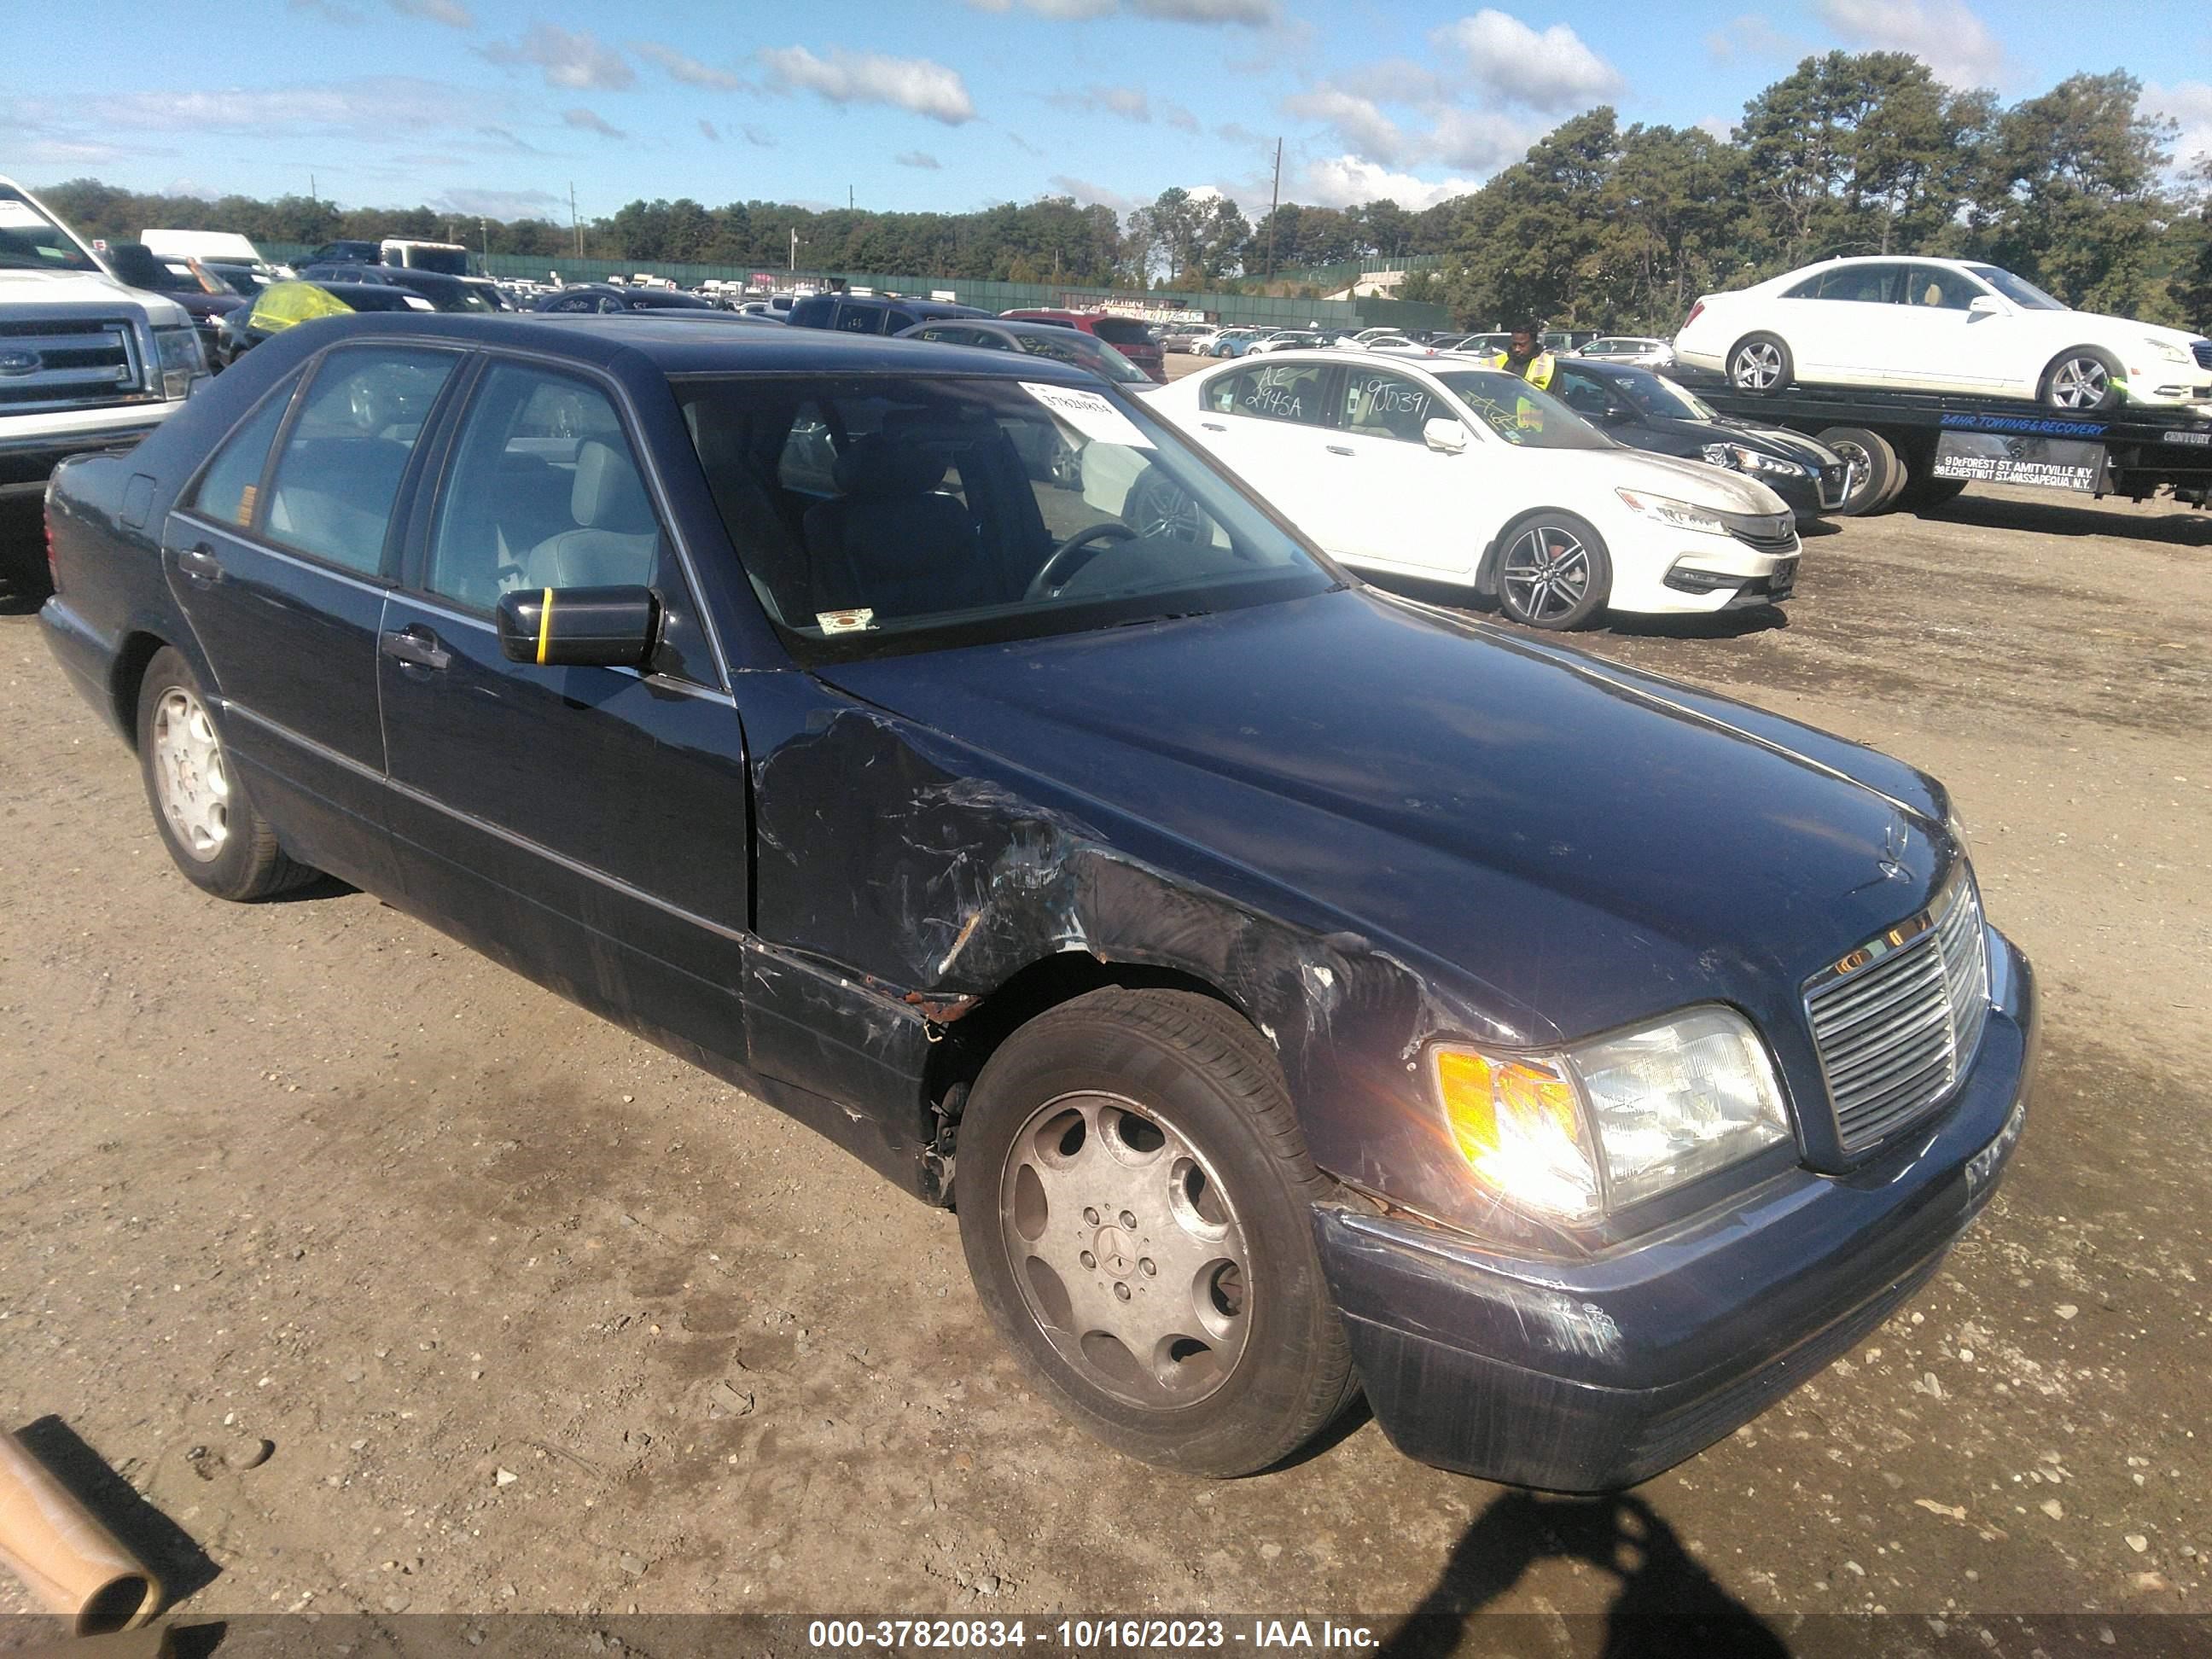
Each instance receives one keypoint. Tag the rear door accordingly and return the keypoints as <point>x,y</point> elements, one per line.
<point>1846,332</point>
<point>586,824</point>
<point>1271,423</point>
<point>281,560</point>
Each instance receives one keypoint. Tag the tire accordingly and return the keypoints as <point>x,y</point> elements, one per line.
<point>1159,506</point>
<point>1186,1129</point>
<point>1760,364</point>
<point>1874,457</point>
<point>198,801</point>
<point>2082,380</point>
<point>1925,495</point>
<point>1580,579</point>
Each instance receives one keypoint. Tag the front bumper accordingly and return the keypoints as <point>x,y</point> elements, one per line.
<point>28,457</point>
<point>1591,1376</point>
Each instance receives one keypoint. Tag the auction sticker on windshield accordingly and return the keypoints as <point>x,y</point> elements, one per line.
<point>1089,414</point>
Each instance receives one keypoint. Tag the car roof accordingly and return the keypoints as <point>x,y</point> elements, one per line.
<point>678,346</point>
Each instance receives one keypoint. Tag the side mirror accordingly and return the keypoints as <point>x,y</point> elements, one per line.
<point>582,627</point>
<point>1446,437</point>
<point>1985,305</point>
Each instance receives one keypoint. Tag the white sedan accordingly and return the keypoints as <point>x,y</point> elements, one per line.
<point>1461,474</point>
<point>1938,325</point>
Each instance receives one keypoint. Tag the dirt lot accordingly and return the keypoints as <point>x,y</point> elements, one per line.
<point>536,1318</point>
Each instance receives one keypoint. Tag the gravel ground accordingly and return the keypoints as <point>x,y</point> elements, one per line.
<point>536,1318</point>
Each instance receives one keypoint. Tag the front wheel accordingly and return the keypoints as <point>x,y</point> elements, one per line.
<point>1135,1205</point>
<point>200,805</point>
<point>1555,572</point>
<point>2084,380</point>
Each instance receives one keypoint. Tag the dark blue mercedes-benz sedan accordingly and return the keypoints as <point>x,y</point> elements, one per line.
<point>1296,990</point>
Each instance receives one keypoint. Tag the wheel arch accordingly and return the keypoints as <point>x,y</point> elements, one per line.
<point>133,655</point>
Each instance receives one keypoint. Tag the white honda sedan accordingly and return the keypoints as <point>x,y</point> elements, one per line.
<point>1938,325</point>
<point>1458,473</point>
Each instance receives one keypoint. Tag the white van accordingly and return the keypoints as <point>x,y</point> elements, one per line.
<point>448,259</point>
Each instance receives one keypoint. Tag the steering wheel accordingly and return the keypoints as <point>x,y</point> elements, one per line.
<point>1043,584</point>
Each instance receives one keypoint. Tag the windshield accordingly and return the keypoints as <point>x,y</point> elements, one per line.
<point>429,256</point>
<point>1509,407</point>
<point>1654,394</point>
<point>1085,353</point>
<point>2018,290</point>
<point>31,241</point>
<point>878,514</point>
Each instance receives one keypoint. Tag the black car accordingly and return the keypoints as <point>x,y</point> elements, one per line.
<point>1646,411</point>
<point>348,253</point>
<point>606,298</point>
<point>444,292</point>
<point>873,314</point>
<point>248,326</point>
<point>1064,345</point>
<point>207,302</point>
<point>1298,988</point>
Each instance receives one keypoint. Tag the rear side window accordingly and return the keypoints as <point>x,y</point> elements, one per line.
<point>228,488</point>
<point>1287,391</point>
<point>340,468</point>
<point>812,313</point>
<point>860,319</point>
<point>1122,331</point>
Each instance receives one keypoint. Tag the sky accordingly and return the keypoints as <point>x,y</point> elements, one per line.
<point>500,107</point>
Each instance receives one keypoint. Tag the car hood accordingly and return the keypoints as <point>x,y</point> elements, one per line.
<point>1773,440</point>
<point>1565,845</point>
<point>82,288</point>
<point>1698,482</point>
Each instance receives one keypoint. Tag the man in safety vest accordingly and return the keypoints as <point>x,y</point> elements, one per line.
<point>1525,355</point>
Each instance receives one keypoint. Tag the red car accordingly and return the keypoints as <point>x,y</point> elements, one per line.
<point>1125,334</point>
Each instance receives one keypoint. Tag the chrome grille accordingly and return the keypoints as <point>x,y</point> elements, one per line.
<point>68,364</point>
<point>1897,1026</point>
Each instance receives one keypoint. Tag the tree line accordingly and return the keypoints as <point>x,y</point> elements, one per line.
<point>1598,226</point>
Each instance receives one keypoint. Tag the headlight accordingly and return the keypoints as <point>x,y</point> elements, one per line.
<point>1955,826</point>
<point>1681,515</point>
<point>2169,352</point>
<point>1741,459</point>
<point>176,351</point>
<point>1611,1122</point>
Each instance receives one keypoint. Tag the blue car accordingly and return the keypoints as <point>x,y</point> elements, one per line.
<point>1296,990</point>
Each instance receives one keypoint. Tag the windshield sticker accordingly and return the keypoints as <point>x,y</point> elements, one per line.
<point>845,622</point>
<point>1089,414</point>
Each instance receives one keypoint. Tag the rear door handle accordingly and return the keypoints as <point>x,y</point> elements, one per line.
<point>1340,449</point>
<point>1213,425</point>
<point>200,565</point>
<point>417,648</point>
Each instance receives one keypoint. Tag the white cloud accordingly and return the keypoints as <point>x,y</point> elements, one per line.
<point>378,105</point>
<point>1255,13</point>
<point>707,132</point>
<point>503,204</point>
<point>574,60</point>
<point>1359,123</point>
<point>690,71</point>
<point>1130,103</point>
<point>1179,117</point>
<point>867,78</point>
<point>502,136</point>
<point>918,158</point>
<point>1479,140</point>
<point>329,10</point>
<point>190,187</point>
<point>1553,71</point>
<point>1751,35</point>
<point>2190,104</point>
<point>590,121</point>
<point>759,137</point>
<point>1392,80</point>
<point>1945,35</point>
<point>1347,180</point>
<point>450,13</point>
<point>1718,127</point>
<point>1088,193</point>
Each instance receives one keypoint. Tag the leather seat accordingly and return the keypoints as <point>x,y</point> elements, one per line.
<point>616,540</point>
<point>891,540</point>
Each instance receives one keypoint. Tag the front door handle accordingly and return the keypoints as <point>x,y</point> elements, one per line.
<point>1213,425</point>
<point>417,648</point>
<point>1340,449</point>
<point>200,565</point>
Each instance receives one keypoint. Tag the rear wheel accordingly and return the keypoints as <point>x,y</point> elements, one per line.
<point>1553,572</point>
<point>1761,363</point>
<point>200,805</point>
<point>1875,474</point>
<point>1136,1208</point>
<point>2082,380</point>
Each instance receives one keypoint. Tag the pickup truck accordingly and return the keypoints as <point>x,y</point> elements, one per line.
<point>86,363</point>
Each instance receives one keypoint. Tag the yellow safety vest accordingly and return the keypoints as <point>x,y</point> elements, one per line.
<point>1538,373</point>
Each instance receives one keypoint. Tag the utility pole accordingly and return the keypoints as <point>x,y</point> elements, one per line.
<point>483,239</point>
<point>575,223</point>
<point>848,198</point>
<point>1272,205</point>
<point>795,250</point>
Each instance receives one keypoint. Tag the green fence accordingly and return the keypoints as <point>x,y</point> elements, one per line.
<point>1258,310</point>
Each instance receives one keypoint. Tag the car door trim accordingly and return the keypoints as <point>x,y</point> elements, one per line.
<point>522,843</point>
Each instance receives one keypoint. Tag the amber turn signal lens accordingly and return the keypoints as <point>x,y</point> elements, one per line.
<point>1520,1129</point>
